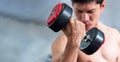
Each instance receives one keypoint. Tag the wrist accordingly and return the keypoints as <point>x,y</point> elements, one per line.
<point>73,43</point>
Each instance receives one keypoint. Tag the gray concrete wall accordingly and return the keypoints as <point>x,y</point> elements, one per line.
<point>23,41</point>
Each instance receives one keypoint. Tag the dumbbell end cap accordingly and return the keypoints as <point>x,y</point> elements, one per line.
<point>54,14</point>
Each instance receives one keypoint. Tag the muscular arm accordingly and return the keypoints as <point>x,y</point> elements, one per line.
<point>66,46</point>
<point>70,53</point>
<point>62,51</point>
<point>58,47</point>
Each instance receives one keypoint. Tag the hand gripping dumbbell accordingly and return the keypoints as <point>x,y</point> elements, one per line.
<point>60,16</point>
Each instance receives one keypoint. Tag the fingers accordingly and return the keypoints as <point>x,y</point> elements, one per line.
<point>68,25</point>
<point>73,23</point>
<point>74,26</point>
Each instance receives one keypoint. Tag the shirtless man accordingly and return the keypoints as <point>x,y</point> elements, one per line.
<point>66,47</point>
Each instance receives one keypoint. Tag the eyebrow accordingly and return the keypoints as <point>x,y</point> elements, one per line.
<point>88,10</point>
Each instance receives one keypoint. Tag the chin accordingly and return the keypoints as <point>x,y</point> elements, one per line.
<point>87,28</point>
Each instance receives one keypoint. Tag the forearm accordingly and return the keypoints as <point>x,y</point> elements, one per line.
<point>70,53</point>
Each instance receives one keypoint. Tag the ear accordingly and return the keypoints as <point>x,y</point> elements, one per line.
<point>102,6</point>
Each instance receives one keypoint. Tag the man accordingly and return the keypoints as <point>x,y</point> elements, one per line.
<point>66,47</point>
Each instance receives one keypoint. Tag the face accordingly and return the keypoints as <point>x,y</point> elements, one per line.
<point>88,13</point>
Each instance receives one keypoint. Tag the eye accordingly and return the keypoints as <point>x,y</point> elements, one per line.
<point>78,11</point>
<point>91,11</point>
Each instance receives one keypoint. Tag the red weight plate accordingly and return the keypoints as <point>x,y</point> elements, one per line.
<point>54,13</point>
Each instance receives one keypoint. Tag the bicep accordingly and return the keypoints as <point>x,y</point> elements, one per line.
<point>56,52</point>
<point>57,48</point>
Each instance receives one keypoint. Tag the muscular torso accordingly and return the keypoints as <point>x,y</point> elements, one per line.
<point>108,52</point>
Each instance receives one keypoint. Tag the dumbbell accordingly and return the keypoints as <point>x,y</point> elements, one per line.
<point>60,16</point>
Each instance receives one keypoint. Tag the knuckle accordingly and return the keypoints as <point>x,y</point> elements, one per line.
<point>71,20</point>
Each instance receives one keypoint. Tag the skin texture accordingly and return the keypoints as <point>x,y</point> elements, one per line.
<point>66,47</point>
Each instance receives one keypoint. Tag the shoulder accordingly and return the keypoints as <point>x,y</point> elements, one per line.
<point>109,30</point>
<point>106,28</point>
<point>113,31</point>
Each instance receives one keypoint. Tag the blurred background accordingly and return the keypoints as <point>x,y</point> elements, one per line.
<point>24,36</point>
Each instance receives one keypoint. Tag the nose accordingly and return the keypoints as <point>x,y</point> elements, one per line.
<point>85,17</point>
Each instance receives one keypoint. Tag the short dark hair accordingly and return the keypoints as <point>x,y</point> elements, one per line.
<point>87,1</point>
